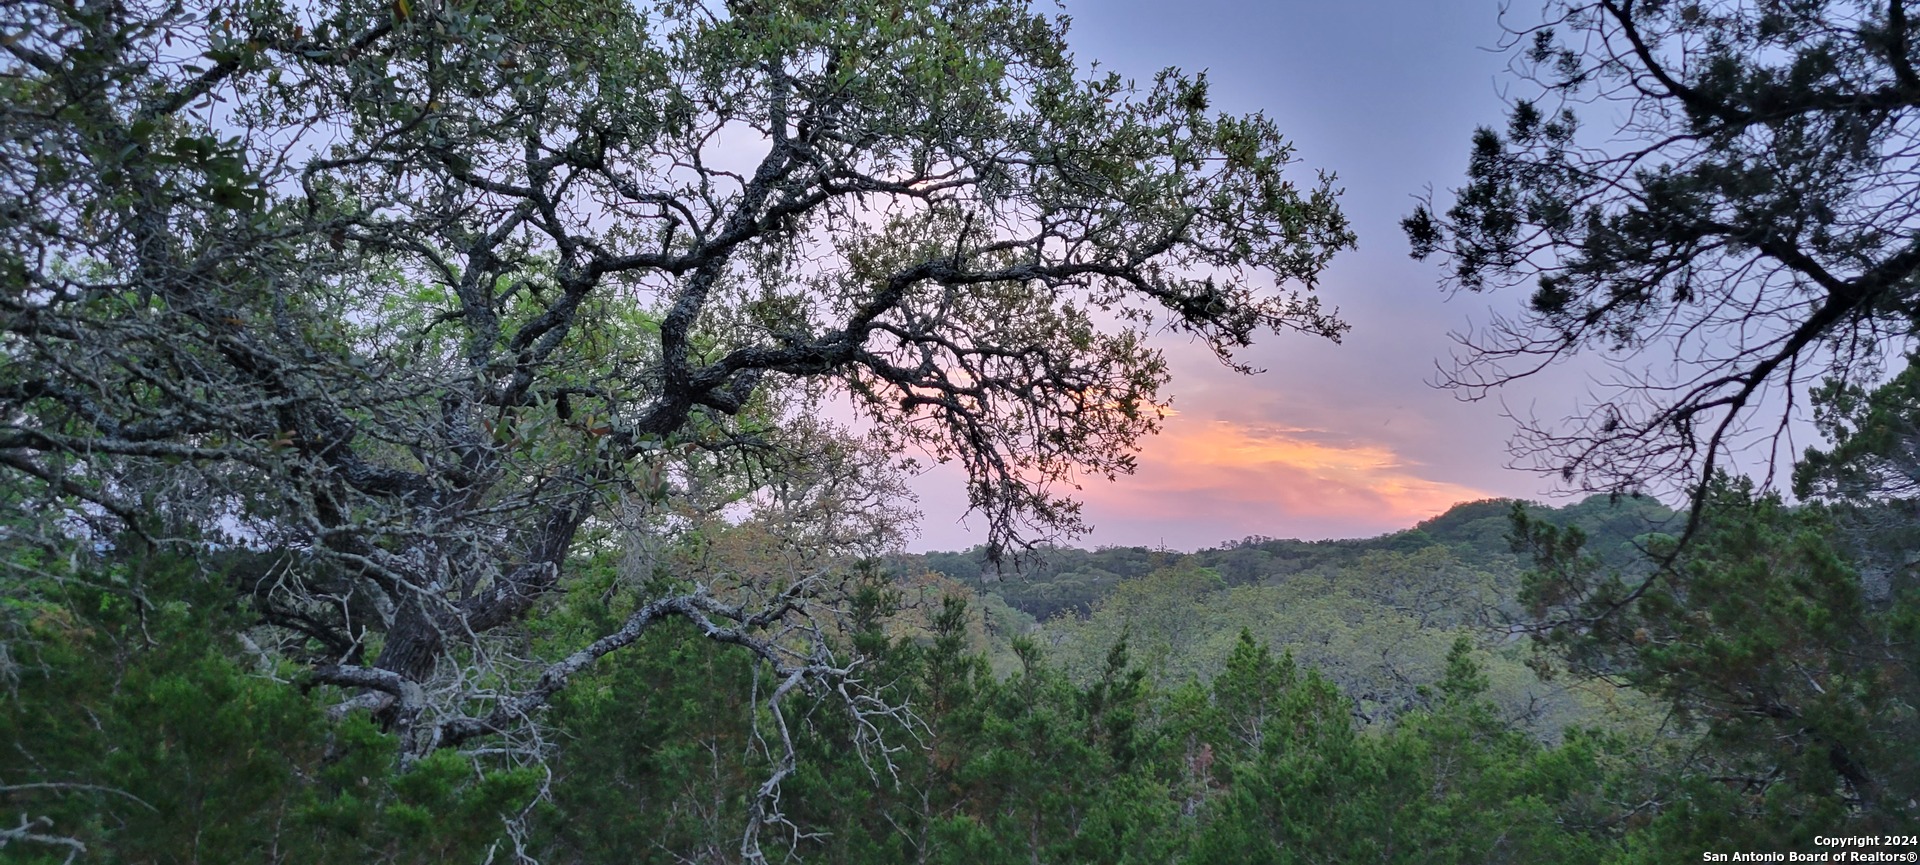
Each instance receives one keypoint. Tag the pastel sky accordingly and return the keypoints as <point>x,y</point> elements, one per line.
<point>1340,440</point>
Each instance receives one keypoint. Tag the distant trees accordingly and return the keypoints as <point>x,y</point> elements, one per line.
<point>659,754</point>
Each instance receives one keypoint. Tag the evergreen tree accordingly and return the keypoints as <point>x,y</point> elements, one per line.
<point>1760,641</point>
<point>1755,175</point>
<point>141,726</point>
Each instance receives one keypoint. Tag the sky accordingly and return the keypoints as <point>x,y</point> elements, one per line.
<point>1347,440</point>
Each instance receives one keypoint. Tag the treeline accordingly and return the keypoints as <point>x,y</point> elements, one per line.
<point>658,756</point>
<point>1064,580</point>
<point>1377,616</point>
<point>1783,692</point>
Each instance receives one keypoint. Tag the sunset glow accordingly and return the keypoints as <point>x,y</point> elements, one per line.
<point>1273,480</point>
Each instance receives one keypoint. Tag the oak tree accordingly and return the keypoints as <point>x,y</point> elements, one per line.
<point>434,298</point>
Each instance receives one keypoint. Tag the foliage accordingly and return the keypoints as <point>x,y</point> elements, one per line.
<point>662,752</point>
<point>1376,616</point>
<point>1377,629</point>
<point>439,299</point>
<point>139,730</point>
<point>1064,770</point>
<point>1759,638</point>
<point>1872,457</point>
<point>1749,214</point>
<point>443,380</point>
<point>1448,784</point>
<point>1265,765</point>
<point>1867,476</point>
<point>1748,209</point>
<point>1470,538</point>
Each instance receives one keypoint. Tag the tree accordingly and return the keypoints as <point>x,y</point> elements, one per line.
<point>433,299</point>
<point>1875,454</point>
<point>1761,640</point>
<point>1870,476</point>
<point>1445,783</point>
<point>1751,210</point>
<point>142,730</point>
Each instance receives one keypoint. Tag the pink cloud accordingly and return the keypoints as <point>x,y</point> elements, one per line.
<point>1203,481</point>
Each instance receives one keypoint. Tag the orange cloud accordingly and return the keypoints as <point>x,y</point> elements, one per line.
<point>1274,480</point>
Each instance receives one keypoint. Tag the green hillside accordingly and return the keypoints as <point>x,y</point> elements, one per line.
<point>1377,616</point>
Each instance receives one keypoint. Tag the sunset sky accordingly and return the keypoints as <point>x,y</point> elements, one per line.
<point>1341,440</point>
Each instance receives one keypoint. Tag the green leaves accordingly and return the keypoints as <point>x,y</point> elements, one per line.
<point>435,305</point>
<point>1758,635</point>
<point>1750,164</point>
<point>146,731</point>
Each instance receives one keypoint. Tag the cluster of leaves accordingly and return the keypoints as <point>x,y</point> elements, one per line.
<point>1761,637</point>
<point>140,728</point>
<point>1748,207</point>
